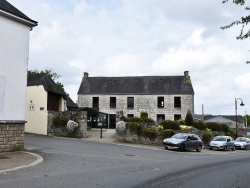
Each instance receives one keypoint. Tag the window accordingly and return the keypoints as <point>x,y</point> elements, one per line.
<point>177,102</point>
<point>130,102</point>
<point>95,102</point>
<point>112,102</point>
<point>177,117</point>
<point>160,102</point>
<point>160,118</point>
<point>130,115</point>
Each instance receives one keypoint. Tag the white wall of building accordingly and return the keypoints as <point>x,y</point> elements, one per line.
<point>36,110</point>
<point>14,48</point>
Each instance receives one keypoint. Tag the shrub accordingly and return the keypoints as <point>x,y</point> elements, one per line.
<point>89,128</point>
<point>136,128</point>
<point>136,119</point>
<point>169,124</point>
<point>213,126</point>
<point>150,133</point>
<point>168,133</point>
<point>60,120</point>
<point>206,137</point>
<point>189,118</point>
<point>199,125</point>
<point>144,115</point>
<point>185,128</point>
<point>220,127</point>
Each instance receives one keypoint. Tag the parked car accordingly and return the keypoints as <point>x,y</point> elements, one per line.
<point>242,143</point>
<point>222,143</point>
<point>183,141</point>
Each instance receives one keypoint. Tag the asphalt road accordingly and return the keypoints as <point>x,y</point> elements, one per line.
<point>78,163</point>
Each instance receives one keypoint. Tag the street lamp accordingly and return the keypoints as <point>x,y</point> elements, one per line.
<point>241,104</point>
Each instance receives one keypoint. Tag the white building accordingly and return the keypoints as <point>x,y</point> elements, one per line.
<point>14,53</point>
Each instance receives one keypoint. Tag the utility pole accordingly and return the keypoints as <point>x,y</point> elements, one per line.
<point>246,119</point>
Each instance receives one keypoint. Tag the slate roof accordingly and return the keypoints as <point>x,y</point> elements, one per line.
<point>70,102</point>
<point>150,85</point>
<point>210,116</point>
<point>45,80</point>
<point>7,7</point>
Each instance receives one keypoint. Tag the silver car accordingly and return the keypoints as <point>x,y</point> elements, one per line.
<point>242,143</point>
<point>182,141</point>
<point>222,143</point>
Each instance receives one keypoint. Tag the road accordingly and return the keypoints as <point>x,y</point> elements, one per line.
<point>79,163</point>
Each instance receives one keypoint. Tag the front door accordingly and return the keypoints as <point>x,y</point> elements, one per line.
<point>112,121</point>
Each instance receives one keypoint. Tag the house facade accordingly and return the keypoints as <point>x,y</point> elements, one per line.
<point>14,53</point>
<point>43,95</point>
<point>162,97</point>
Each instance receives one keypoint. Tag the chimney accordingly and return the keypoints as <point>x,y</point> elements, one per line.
<point>85,75</point>
<point>186,74</point>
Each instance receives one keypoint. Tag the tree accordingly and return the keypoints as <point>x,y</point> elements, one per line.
<point>189,119</point>
<point>51,73</point>
<point>243,21</point>
<point>247,120</point>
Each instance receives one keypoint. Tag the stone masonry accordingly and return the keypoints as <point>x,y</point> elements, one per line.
<point>142,103</point>
<point>11,136</point>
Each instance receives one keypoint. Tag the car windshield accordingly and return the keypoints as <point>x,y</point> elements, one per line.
<point>180,136</point>
<point>219,138</point>
<point>240,140</point>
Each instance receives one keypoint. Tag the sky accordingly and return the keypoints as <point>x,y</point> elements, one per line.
<point>144,38</point>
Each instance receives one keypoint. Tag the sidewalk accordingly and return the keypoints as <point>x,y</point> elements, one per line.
<point>12,161</point>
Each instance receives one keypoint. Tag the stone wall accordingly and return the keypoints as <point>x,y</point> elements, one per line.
<point>142,103</point>
<point>61,130</point>
<point>11,136</point>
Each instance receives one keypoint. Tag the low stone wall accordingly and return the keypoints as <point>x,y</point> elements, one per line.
<point>130,137</point>
<point>61,130</point>
<point>11,136</point>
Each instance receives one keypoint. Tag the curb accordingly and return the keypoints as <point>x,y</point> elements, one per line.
<point>38,161</point>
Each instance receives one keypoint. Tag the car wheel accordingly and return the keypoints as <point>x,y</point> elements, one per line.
<point>166,147</point>
<point>182,147</point>
<point>246,148</point>
<point>210,148</point>
<point>233,149</point>
<point>225,148</point>
<point>198,149</point>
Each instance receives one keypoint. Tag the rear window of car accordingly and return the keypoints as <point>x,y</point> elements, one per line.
<point>219,138</point>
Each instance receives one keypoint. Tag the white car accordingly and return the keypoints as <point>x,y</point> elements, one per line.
<point>222,142</point>
<point>242,143</point>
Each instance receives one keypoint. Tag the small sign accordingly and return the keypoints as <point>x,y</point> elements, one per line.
<point>31,107</point>
<point>100,124</point>
<point>41,108</point>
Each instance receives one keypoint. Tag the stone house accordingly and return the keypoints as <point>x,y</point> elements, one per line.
<point>162,97</point>
<point>43,95</point>
<point>14,53</point>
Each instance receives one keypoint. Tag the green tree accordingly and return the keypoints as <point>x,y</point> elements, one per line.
<point>247,120</point>
<point>189,119</point>
<point>51,73</point>
<point>243,22</point>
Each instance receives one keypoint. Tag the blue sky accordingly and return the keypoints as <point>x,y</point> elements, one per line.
<point>144,38</point>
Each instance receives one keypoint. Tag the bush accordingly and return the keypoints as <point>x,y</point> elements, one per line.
<point>206,137</point>
<point>168,133</point>
<point>220,127</point>
<point>60,120</point>
<point>169,124</point>
<point>89,128</point>
<point>199,125</point>
<point>136,128</point>
<point>189,118</point>
<point>144,115</point>
<point>142,119</point>
<point>150,133</point>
